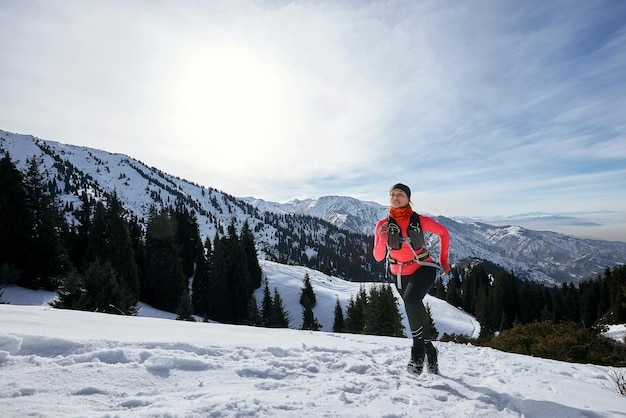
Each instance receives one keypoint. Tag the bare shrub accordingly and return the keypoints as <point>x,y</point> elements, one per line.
<point>619,380</point>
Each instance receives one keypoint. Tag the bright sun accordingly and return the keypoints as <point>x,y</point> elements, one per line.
<point>228,95</point>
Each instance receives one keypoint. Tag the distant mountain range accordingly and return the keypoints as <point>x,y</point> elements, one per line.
<point>545,256</point>
<point>541,255</point>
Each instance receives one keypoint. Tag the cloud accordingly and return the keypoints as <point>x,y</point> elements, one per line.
<point>480,107</point>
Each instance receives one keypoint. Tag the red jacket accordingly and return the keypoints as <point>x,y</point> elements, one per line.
<point>405,253</point>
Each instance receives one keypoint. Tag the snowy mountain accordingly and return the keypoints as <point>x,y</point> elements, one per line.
<point>67,363</point>
<point>296,230</point>
<point>296,239</point>
<point>545,256</point>
<point>344,212</point>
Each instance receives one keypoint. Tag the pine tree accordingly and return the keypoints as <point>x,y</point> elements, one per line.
<point>97,238</point>
<point>482,313</point>
<point>238,275</point>
<point>249,248</point>
<point>14,220</point>
<point>104,292</point>
<point>439,289</point>
<point>504,300</point>
<point>279,317</point>
<point>120,249</point>
<point>47,258</point>
<point>434,334</point>
<point>308,301</point>
<point>453,291</point>
<point>355,314</point>
<point>267,305</point>
<point>306,292</point>
<point>254,317</point>
<point>616,281</point>
<point>165,281</point>
<point>78,248</point>
<point>338,323</point>
<point>219,299</point>
<point>309,321</point>
<point>193,258</point>
<point>589,299</point>
<point>619,273</point>
<point>200,285</point>
<point>188,234</point>
<point>109,240</point>
<point>351,322</point>
<point>604,301</point>
<point>137,240</point>
<point>8,274</point>
<point>184,310</point>
<point>70,293</point>
<point>623,272</point>
<point>565,304</point>
<point>382,316</point>
<point>532,296</point>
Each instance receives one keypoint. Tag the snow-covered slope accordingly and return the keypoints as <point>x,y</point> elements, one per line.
<point>289,280</point>
<point>66,363</point>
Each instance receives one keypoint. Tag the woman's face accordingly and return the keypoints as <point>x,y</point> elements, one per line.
<point>398,199</point>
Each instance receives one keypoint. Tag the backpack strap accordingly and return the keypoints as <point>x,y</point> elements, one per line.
<point>415,232</point>
<point>394,235</point>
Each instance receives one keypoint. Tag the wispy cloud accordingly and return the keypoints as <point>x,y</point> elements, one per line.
<point>483,107</point>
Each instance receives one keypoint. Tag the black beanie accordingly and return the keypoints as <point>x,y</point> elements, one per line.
<point>402,187</point>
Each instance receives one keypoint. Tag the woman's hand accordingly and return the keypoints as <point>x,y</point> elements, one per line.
<point>446,269</point>
<point>384,227</point>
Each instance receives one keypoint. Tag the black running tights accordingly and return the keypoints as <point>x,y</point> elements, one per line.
<point>414,289</point>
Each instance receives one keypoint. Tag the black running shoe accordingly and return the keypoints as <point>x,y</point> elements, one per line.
<point>415,367</point>
<point>433,368</point>
<point>431,358</point>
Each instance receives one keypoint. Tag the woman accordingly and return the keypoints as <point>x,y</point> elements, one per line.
<point>400,238</point>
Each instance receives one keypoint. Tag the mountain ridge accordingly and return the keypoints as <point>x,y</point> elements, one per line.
<point>544,256</point>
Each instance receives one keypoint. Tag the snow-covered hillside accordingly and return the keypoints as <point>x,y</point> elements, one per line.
<point>66,363</point>
<point>95,171</point>
<point>289,280</point>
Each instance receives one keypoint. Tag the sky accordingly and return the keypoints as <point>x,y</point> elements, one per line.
<point>483,108</point>
<point>63,363</point>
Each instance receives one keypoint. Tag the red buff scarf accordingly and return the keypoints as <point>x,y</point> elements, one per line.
<point>401,214</point>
